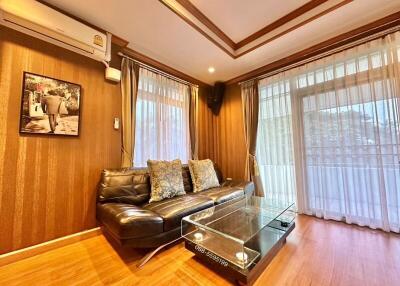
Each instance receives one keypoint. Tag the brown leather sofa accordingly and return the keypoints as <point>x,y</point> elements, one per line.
<point>124,211</point>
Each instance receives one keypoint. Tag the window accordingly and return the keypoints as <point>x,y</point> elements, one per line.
<point>162,119</point>
<point>351,140</point>
<point>331,128</point>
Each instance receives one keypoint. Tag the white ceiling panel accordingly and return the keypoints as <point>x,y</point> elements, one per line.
<point>154,30</point>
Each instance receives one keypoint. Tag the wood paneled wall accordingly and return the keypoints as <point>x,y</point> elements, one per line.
<point>206,127</point>
<point>48,184</point>
<point>222,136</point>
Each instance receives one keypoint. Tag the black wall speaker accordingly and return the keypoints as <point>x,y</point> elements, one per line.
<point>215,97</point>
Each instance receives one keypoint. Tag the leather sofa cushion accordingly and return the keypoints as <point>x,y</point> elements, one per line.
<point>124,186</point>
<point>117,177</point>
<point>174,209</point>
<point>247,187</point>
<point>222,194</point>
<point>129,221</point>
<point>132,186</point>
<point>123,194</point>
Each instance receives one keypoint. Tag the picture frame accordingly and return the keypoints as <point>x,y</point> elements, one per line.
<point>49,106</point>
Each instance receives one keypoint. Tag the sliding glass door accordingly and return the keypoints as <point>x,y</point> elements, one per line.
<point>351,140</point>
<point>343,118</point>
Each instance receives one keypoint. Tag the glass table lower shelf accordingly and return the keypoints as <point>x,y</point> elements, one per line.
<point>238,236</point>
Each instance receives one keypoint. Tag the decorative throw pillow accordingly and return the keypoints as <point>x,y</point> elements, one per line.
<point>166,179</point>
<point>203,175</point>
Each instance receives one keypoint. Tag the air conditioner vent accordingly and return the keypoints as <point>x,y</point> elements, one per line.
<point>43,22</point>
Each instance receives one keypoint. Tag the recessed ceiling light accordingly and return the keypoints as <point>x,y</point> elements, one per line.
<point>211,69</point>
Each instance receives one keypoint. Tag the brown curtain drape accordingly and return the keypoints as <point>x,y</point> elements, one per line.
<point>250,104</point>
<point>129,87</point>
<point>193,121</point>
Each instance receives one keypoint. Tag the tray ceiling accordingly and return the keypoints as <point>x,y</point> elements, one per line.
<point>191,36</point>
<point>238,18</point>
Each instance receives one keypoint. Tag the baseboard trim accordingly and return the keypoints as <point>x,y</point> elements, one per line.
<point>20,254</point>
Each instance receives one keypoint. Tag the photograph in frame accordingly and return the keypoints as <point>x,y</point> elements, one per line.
<point>49,106</point>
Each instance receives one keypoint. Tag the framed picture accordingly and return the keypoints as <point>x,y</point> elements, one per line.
<point>49,106</point>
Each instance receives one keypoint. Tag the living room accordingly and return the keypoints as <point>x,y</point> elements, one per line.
<point>192,142</point>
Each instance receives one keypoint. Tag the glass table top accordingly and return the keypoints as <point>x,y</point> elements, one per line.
<point>241,220</point>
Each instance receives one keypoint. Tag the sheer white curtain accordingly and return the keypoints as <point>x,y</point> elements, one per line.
<point>274,140</point>
<point>162,119</point>
<point>345,129</point>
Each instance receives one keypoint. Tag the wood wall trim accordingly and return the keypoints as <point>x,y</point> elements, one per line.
<point>194,11</point>
<point>281,21</point>
<point>119,41</point>
<point>330,44</point>
<point>324,12</point>
<point>197,28</point>
<point>158,65</point>
<point>115,39</point>
<point>207,22</point>
<point>31,251</point>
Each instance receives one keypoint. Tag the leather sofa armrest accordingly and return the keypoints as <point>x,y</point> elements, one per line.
<point>247,186</point>
<point>129,221</point>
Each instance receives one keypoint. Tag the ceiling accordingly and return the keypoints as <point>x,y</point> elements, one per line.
<point>191,36</point>
<point>238,19</point>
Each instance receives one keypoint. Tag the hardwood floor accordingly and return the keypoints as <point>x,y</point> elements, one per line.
<point>317,252</point>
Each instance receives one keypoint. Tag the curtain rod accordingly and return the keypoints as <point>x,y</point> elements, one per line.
<point>158,71</point>
<point>328,53</point>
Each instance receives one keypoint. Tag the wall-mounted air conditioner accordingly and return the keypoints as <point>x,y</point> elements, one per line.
<point>43,22</point>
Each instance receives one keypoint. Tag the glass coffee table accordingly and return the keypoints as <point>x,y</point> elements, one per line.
<point>239,238</point>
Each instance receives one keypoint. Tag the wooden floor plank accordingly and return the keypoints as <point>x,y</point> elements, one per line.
<point>317,252</point>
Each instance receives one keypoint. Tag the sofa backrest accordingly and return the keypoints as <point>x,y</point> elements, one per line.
<point>132,185</point>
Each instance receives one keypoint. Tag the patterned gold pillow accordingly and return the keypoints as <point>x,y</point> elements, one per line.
<point>166,179</point>
<point>203,175</point>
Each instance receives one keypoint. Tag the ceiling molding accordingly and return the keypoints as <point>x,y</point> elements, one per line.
<point>330,44</point>
<point>163,67</point>
<point>308,12</point>
<point>201,27</point>
<point>207,22</point>
<point>324,12</point>
<point>289,17</point>
<point>119,41</point>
